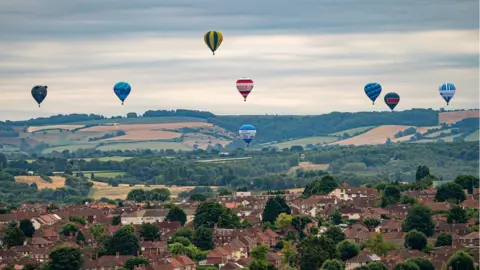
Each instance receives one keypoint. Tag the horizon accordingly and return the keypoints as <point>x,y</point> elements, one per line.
<point>305,60</point>
<point>139,115</point>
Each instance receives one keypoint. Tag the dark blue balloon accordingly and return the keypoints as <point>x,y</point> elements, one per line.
<point>373,90</point>
<point>392,99</point>
<point>122,90</point>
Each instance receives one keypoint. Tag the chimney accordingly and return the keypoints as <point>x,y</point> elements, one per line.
<point>96,256</point>
<point>138,253</point>
<point>117,255</point>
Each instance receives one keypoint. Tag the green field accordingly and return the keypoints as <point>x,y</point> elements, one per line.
<point>145,145</point>
<point>223,160</point>
<point>69,147</point>
<point>142,120</point>
<point>304,141</point>
<point>352,131</point>
<point>108,174</point>
<point>473,136</point>
<point>115,158</point>
<point>450,138</point>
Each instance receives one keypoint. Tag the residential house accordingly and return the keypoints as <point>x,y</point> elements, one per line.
<point>346,193</point>
<point>44,220</point>
<point>399,211</point>
<point>361,259</point>
<point>390,226</point>
<point>471,239</point>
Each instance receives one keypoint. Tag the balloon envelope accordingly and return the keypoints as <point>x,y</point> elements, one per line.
<point>247,132</point>
<point>244,87</point>
<point>373,90</point>
<point>39,93</point>
<point>392,99</point>
<point>213,39</point>
<point>122,90</point>
<point>447,91</point>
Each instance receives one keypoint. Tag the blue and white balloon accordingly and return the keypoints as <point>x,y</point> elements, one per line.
<point>247,133</point>
<point>447,91</point>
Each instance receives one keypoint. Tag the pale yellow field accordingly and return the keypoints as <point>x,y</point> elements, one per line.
<point>452,117</point>
<point>308,166</point>
<point>66,127</point>
<point>141,132</point>
<point>57,181</point>
<point>378,135</point>
<point>100,190</point>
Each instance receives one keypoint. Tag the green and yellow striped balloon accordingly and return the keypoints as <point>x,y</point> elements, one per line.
<point>213,39</point>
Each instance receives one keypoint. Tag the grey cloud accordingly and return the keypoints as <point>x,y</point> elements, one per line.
<point>37,19</point>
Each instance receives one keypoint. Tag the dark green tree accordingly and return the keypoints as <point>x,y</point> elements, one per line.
<point>132,262</point>
<point>406,266</point>
<point>444,239</point>
<point>203,238</point>
<point>377,266</point>
<point>274,207</point>
<point>450,191</point>
<point>13,237</point>
<point>66,258</point>
<point>123,241</point>
<point>415,240</point>
<point>314,251</point>
<point>461,261</point>
<point>422,172</point>
<point>3,161</point>
<point>336,217</point>
<point>371,223</point>
<point>210,213</point>
<point>347,249</point>
<point>78,220</point>
<point>422,263</point>
<point>149,232</point>
<point>69,229</point>
<point>323,185</point>
<point>333,264</point>
<point>177,214</point>
<point>31,267</point>
<point>419,218</point>
<point>457,214</point>
<point>27,228</point>
<point>467,182</point>
<point>335,233</point>
<point>391,195</point>
<point>116,220</point>
<point>80,238</point>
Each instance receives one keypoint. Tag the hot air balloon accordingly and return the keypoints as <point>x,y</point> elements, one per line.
<point>39,93</point>
<point>447,91</point>
<point>392,99</point>
<point>122,90</point>
<point>373,90</point>
<point>247,132</point>
<point>213,39</point>
<point>244,86</point>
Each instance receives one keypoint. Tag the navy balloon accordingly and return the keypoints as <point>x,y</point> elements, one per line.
<point>392,99</point>
<point>373,90</point>
<point>122,90</point>
<point>39,93</point>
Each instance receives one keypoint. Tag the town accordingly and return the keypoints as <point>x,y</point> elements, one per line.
<point>329,226</point>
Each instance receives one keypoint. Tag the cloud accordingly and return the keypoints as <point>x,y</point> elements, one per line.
<point>305,59</point>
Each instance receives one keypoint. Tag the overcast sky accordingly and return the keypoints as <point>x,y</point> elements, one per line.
<point>306,57</point>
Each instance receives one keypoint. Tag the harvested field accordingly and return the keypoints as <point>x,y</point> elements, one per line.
<point>100,190</point>
<point>352,131</point>
<point>57,181</point>
<point>453,117</point>
<point>308,166</point>
<point>143,132</point>
<point>223,160</point>
<point>65,127</point>
<point>378,135</point>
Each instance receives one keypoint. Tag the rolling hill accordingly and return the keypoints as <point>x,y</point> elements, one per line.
<point>187,130</point>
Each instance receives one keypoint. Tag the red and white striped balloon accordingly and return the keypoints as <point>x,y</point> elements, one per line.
<point>244,86</point>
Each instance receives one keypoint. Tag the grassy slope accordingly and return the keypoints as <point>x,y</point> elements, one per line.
<point>473,136</point>
<point>304,141</point>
